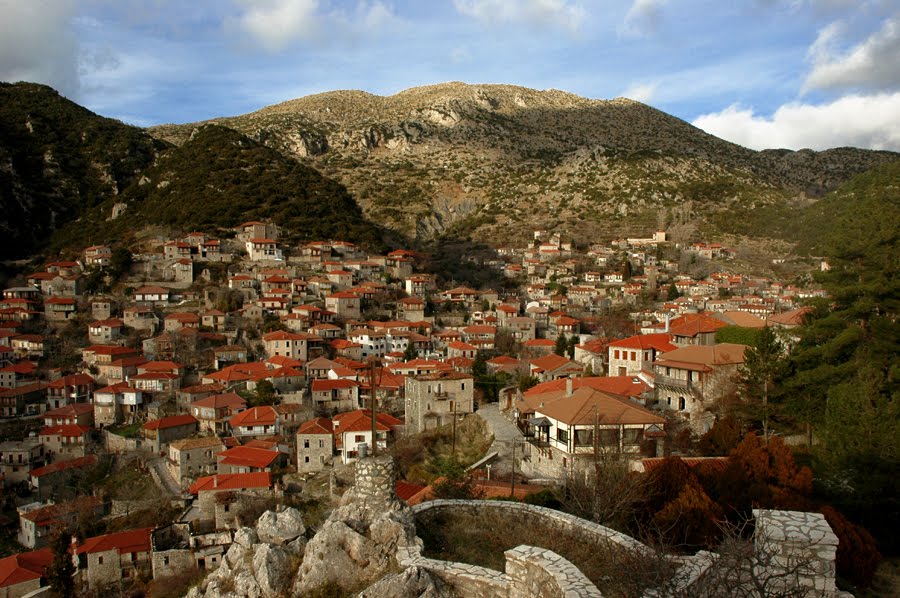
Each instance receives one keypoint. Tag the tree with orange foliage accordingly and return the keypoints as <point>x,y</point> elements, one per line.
<point>760,476</point>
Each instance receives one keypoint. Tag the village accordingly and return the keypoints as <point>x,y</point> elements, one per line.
<point>236,368</point>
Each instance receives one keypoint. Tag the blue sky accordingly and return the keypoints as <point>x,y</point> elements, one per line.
<point>763,73</point>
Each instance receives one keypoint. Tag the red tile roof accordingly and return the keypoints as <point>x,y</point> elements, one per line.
<point>320,425</point>
<point>255,416</point>
<point>170,422</point>
<point>248,456</point>
<point>64,465</point>
<point>25,566</point>
<point>232,481</point>
<point>67,430</point>
<point>137,540</point>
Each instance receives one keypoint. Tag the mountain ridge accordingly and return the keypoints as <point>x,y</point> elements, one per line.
<point>485,160</point>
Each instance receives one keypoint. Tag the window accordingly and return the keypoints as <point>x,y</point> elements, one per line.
<point>562,435</point>
<point>359,438</point>
<point>306,459</point>
<point>616,354</point>
<point>681,403</point>
<point>632,436</point>
<point>99,560</point>
<point>608,437</point>
<point>306,444</point>
<point>584,437</point>
<point>321,443</point>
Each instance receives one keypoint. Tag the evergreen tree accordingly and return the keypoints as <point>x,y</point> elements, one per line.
<point>60,572</point>
<point>410,353</point>
<point>479,367</point>
<point>763,364</point>
<point>562,344</point>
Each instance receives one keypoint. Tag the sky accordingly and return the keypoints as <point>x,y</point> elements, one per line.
<point>762,73</point>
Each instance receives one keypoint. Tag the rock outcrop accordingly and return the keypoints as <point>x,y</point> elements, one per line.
<point>358,543</point>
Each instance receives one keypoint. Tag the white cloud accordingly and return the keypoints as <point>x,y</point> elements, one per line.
<point>866,121</point>
<point>642,18</point>
<point>641,92</point>
<point>37,44</point>
<point>871,64</point>
<point>275,24</point>
<point>557,13</point>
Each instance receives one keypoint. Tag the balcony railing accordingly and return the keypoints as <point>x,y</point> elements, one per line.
<point>680,383</point>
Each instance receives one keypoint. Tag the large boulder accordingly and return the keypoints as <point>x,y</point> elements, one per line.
<point>280,527</point>
<point>412,582</point>
<point>272,569</point>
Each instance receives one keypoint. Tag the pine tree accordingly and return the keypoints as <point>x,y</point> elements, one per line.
<point>562,344</point>
<point>763,364</point>
<point>62,569</point>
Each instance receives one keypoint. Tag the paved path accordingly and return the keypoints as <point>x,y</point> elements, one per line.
<point>164,477</point>
<point>506,435</point>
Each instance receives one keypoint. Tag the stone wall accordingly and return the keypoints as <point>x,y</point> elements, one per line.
<point>798,547</point>
<point>547,518</point>
<point>375,478</point>
<point>530,571</point>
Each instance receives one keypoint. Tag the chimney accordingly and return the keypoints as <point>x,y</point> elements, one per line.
<point>569,386</point>
<point>668,316</point>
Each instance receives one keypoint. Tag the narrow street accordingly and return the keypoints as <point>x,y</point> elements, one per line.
<point>506,436</point>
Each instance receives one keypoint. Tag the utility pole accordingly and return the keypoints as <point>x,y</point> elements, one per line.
<point>454,430</point>
<point>373,389</point>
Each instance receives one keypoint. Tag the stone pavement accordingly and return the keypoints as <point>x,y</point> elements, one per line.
<point>506,435</point>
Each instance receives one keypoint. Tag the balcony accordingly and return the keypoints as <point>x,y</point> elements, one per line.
<point>441,395</point>
<point>678,383</point>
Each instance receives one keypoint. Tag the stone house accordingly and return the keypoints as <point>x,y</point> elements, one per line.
<point>98,255</point>
<point>110,330</point>
<point>151,296</point>
<point>67,441</point>
<point>345,304</point>
<point>47,479</point>
<point>158,433</point>
<point>315,445</point>
<point>554,367</point>
<point>254,422</point>
<point>353,431</point>
<point>108,559</point>
<point>334,395</point>
<point>248,459</point>
<point>75,388</point>
<point>60,309</point>
<point>116,404</point>
<point>81,414</point>
<point>219,496</point>
<point>23,399</point>
<point>38,523</point>
<point>142,318</point>
<point>190,458</point>
<point>286,344</point>
<point>632,355</point>
<point>434,399</point>
<point>691,380</point>
<point>214,411</point>
<point>262,249</point>
<point>25,573</point>
<point>18,458</point>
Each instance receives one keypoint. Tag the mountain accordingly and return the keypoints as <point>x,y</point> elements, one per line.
<point>486,161</point>
<point>447,165</point>
<point>219,178</point>
<point>58,159</point>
